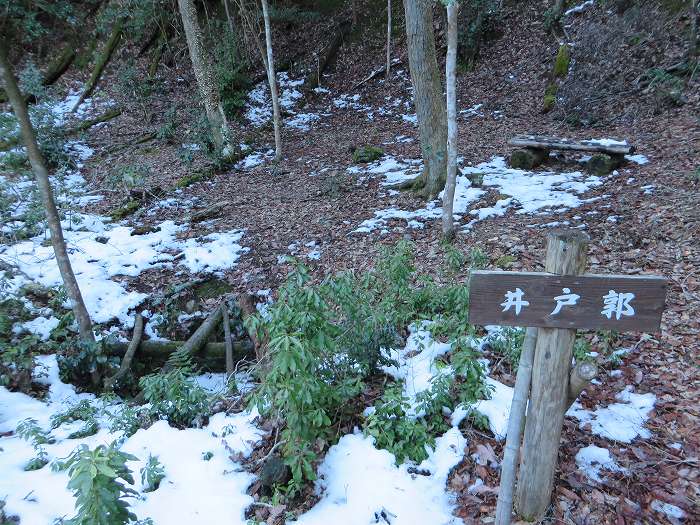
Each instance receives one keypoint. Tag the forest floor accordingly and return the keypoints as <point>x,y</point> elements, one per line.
<point>642,219</point>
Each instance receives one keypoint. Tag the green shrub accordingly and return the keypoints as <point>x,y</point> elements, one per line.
<point>78,360</point>
<point>176,397</point>
<point>17,363</point>
<point>30,431</point>
<point>129,419</point>
<point>508,343</point>
<point>81,411</point>
<point>97,479</point>
<point>152,474</point>
<point>325,339</point>
<point>394,430</point>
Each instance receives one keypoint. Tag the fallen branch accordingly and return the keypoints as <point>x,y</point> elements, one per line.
<point>199,338</point>
<point>374,74</point>
<point>105,117</point>
<point>102,61</point>
<point>128,356</point>
<point>209,212</point>
<point>313,79</point>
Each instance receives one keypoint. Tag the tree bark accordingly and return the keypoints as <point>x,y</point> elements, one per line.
<point>693,43</point>
<point>511,452</point>
<point>448,227</point>
<point>204,73</point>
<point>273,82</point>
<point>430,107</point>
<point>566,255</point>
<point>388,38</point>
<point>36,159</point>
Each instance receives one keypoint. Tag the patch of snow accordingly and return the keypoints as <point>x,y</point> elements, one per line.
<point>395,495</point>
<point>255,159</point>
<point>41,326</point>
<point>416,365</point>
<point>593,459</point>
<point>637,159</point>
<point>193,489</point>
<point>123,254</point>
<point>301,121</point>
<point>666,508</point>
<point>411,119</point>
<point>620,421</point>
<point>579,8</point>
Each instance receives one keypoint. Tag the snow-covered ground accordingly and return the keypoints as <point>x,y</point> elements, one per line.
<point>100,249</point>
<point>532,192</point>
<point>194,489</point>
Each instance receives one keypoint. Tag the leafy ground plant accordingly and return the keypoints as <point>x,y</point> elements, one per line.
<point>97,479</point>
<point>30,431</point>
<point>175,396</point>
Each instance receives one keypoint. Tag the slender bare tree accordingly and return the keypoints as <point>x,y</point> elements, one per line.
<point>448,196</point>
<point>271,78</point>
<point>388,38</point>
<point>427,86</point>
<point>204,73</point>
<point>36,159</point>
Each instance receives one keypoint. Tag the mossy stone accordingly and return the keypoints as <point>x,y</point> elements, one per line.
<point>126,210</point>
<point>366,154</point>
<point>527,158</point>
<point>548,103</point>
<point>602,164</point>
<point>192,178</point>
<point>274,472</point>
<point>561,64</point>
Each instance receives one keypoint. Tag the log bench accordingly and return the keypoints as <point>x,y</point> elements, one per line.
<point>533,150</point>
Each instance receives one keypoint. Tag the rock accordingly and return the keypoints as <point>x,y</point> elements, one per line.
<point>602,164</point>
<point>366,154</point>
<point>527,158</point>
<point>274,472</point>
<point>101,239</point>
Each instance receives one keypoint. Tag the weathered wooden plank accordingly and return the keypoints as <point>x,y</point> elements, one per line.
<point>595,308</point>
<point>542,142</point>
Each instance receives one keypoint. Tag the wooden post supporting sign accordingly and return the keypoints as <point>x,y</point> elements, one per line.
<point>557,302</point>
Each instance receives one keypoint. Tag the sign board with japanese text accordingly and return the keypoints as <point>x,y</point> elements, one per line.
<point>614,302</point>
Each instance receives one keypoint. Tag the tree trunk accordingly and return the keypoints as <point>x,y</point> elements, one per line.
<point>53,219</point>
<point>273,82</point>
<point>693,44</point>
<point>388,38</point>
<point>430,108</point>
<point>448,227</point>
<point>199,338</point>
<point>204,73</point>
<point>229,19</point>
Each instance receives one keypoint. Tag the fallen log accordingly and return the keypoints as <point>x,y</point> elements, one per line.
<point>199,338</point>
<point>159,351</point>
<point>105,117</point>
<point>209,212</point>
<point>374,74</point>
<point>59,65</point>
<point>312,80</point>
<point>128,355</point>
<point>102,61</point>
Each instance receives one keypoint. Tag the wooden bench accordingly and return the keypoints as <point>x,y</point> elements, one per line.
<point>534,150</point>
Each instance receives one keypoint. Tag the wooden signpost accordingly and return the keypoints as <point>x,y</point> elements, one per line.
<point>557,303</point>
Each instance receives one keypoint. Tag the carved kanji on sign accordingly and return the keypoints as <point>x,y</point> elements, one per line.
<point>621,303</point>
